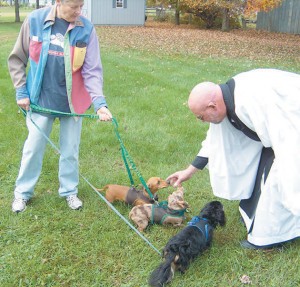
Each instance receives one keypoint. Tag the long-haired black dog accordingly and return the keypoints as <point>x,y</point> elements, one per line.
<point>188,243</point>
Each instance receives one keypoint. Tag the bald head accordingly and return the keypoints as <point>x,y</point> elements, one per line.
<point>206,102</point>
<point>200,95</point>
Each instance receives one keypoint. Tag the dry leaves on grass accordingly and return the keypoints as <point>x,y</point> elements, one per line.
<point>183,39</point>
<point>245,279</point>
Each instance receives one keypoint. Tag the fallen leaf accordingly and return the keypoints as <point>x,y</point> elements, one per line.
<point>245,279</point>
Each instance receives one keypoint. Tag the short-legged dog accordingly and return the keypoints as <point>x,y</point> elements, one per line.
<point>171,212</point>
<point>188,243</point>
<point>132,195</point>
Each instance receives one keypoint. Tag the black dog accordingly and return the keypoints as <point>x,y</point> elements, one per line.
<point>188,243</point>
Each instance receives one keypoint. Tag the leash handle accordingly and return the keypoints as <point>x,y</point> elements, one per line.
<point>38,109</point>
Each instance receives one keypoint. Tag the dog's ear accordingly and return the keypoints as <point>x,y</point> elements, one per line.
<point>153,182</point>
<point>151,187</point>
<point>185,205</point>
<point>220,214</point>
<point>180,189</point>
<point>222,218</point>
<point>180,204</point>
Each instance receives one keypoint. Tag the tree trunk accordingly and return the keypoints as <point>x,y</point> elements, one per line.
<point>190,18</point>
<point>177,12</point>
<point>37,4</point>
<point>177,17</point>
<point>17,11</point>
<point>244,23</point>
<point>225,20</point>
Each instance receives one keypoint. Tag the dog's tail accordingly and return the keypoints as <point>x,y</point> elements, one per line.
<point>164,273</point>
<point>103,189</point>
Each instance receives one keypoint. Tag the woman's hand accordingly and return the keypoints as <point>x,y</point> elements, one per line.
<point>104,114</point>
<point>24,104</point>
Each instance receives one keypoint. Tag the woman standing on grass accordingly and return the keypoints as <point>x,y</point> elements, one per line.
<point>65,75</point>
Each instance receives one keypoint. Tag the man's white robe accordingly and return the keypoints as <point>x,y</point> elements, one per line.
<point>268,102</point>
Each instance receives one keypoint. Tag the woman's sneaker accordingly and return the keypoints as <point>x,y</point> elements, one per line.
<point>74,202</point>
<point>19,205</point>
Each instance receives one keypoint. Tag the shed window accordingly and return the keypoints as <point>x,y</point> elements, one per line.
<point>119,3</point>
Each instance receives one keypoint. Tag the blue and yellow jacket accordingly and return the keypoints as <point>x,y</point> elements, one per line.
<point>83,69</point>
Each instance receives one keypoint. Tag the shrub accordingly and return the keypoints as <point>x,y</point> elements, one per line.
<point>3,4</point>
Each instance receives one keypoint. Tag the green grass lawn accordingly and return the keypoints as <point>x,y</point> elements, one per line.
<point>50,245</point>
<point>7,14</point>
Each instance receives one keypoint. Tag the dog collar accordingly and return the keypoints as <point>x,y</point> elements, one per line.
<point>178,212</point>
<point>202,225</point>
<point>160,212</point>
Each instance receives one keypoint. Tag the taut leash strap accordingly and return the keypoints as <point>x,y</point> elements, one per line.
<point>94,188</point>
<point>126,157</point>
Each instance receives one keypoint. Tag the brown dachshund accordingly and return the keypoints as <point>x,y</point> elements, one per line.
<point>131,195</point>
<point>170,213</point>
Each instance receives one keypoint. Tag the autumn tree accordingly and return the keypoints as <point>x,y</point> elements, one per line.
<point>178,7</point>
<point>176,4</point>
<point>210,10</point>
<point>153,3</point>
<point>251,7</point>
<point>260,5</point>
<point>207,10</point>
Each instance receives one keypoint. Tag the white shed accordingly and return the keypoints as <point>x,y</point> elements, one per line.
<point>115,12</point>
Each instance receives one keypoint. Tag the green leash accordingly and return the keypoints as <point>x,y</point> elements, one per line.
<point>125,155</point>
<point>38,109</point>
<point>47,111</point>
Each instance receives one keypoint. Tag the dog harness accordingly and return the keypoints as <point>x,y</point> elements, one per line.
<point>134,194</point>
<point>202,225</point>
<point>160,212</point>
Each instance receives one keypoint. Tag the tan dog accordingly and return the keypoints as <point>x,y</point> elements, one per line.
<point>170,213</point>
<point>132,195</point>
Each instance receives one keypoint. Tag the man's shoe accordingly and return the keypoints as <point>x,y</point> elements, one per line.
<point>74,202</point>
<point>19,205</point>
<point>247,245</point>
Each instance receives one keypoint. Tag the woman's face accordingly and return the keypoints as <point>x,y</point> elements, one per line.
<point>69,10</point>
